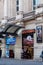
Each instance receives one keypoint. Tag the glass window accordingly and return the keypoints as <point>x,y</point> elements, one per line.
<point>37,2</point>
<point>33,2</point>
<point>17,2</point>
<point>17,8</point>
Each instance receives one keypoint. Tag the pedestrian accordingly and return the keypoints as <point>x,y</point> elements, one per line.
<point>0,52</point>
<point>41,55</point>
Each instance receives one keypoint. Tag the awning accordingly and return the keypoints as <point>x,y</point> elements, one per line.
<point>11,29</point>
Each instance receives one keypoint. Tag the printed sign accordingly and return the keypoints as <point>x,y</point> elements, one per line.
<point>39,34</point>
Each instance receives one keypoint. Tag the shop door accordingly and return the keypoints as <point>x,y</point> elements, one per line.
<point>27,45</point>
<point>11,54</point>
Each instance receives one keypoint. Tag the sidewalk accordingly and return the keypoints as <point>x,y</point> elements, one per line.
<point>19,62</point>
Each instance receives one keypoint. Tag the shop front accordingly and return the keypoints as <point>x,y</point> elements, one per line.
<point>38,36</point>
<point>28,44</point>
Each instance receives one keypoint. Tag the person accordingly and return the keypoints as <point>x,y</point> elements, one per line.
<point>11,54</point>
<point>41,55</point>
<point>0,52</point>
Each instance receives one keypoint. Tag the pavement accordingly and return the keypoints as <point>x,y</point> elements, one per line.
<point>19,62</point>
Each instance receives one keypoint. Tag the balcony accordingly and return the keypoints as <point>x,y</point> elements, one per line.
<point>38,12</point>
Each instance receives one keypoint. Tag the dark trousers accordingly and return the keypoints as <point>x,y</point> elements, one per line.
<point>0,53</point>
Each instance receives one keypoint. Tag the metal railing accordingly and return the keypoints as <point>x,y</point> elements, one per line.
<point>32,14</point>
<point>38,6</point>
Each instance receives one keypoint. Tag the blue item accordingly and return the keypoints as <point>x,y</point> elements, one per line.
<point>10,40</point>
<point>7,53</point>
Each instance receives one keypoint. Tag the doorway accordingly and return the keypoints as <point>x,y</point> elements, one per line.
<point>27,44</point>
<point>11,54</point>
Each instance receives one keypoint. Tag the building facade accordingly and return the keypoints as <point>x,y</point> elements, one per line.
<point>11,7</point>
